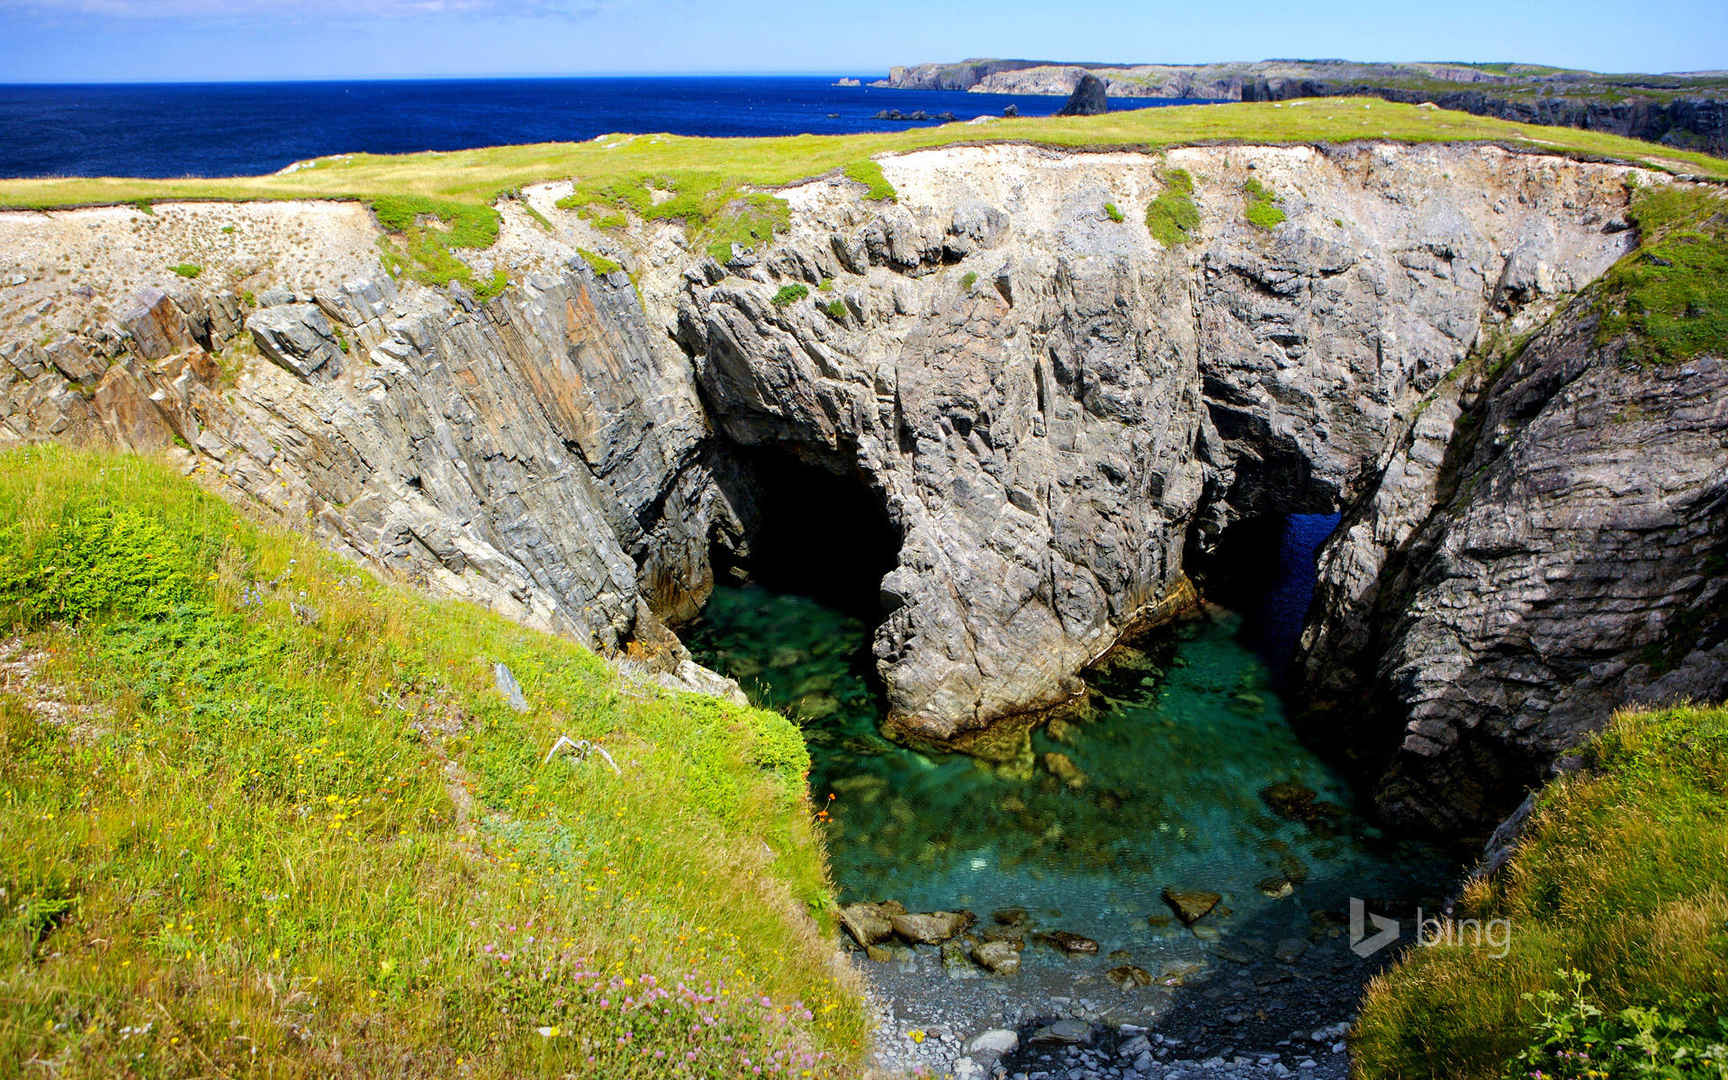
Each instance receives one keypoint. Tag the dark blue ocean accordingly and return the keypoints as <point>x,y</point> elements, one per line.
<point>244,129</point>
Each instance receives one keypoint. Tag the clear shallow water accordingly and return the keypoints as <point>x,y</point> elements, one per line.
<point>1180,740</point>
<point>241,129</point>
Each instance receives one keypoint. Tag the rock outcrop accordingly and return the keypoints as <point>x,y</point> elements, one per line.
<point>1546,545</point>
<point>1054,413</point>
<point>530,454</point>
<point>1088,98</point>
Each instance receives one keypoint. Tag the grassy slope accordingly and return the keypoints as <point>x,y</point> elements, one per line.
<point>479,176</point>
<point>1623,876</point>
<point>237,839</point>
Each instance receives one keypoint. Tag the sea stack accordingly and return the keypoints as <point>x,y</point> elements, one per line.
<point>1088,98</point>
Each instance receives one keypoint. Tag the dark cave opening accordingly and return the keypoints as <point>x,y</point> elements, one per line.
<point>1264,568</point>
<point>811,528</point>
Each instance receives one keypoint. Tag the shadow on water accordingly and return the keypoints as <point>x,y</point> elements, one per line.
<point>1182,773</point>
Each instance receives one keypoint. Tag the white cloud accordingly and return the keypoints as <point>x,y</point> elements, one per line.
<point>307,9</point>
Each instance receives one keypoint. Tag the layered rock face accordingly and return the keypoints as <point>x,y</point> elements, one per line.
<point>532,455</point>
<point>1053,411</point>
<point>1052,405</point>
<point>1537,552</point>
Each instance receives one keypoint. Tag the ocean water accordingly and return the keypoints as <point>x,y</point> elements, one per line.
<point>1185,737</point>
<point>243,129</point>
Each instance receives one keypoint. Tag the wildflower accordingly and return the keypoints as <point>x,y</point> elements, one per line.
<point>550,1032</point>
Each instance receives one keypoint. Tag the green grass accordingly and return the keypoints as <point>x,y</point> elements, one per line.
<point>1261,207</point>
<point>599,263</point>
<point>1622,876</point>
<point>790,294</point>
<point>869,173</point>
<point>423,235</point>
<point>1172,217</point>
<point>1113,214</point>
<point>967,280</point>
<point>263,815</point>
<point>478,177</point>
<point>436,203</point>
<point>187,270</point>
<point>749,220</point>
<point>1669,298</point>
<point>836,309</point>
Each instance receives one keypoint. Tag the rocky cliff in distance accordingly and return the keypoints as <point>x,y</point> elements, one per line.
<point>1684,110</point>
<point>1054,412</point>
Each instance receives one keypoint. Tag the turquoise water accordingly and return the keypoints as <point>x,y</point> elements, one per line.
<point>1178,742</point>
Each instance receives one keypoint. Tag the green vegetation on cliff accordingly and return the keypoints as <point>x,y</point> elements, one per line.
<point>435,204</point>
<point>1670,296</point>
<point>263,815</point>
<point>1172,217</point>
<point>1617,896</point>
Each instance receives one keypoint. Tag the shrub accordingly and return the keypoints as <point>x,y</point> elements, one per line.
<point>1112,213</point>
<point>1263,211</point>
<point>1172,217</point>
<point>836,309</point>
<point>187,270</point>
<point>790,294</point>
<point>967,280</point>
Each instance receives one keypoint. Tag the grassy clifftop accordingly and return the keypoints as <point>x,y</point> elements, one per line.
<point>433,204</point>
<point>260,814</point>
<point>1617,901</point>
<point>478,177</point>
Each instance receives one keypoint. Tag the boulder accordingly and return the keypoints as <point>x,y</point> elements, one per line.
<point>1089,98</point>
<point>930,928</point>
<point>1062,1033</point>
<point>1190,905</point>
<point>157,327</point>
<point>297,338</point>
<point>870,924</point>
<point>997,1041</point>
<point>997,957</point>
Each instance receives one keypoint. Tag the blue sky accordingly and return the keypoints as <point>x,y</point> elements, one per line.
<point>197,40</point>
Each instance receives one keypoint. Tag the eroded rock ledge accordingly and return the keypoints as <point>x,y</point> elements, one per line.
<point>1054,412</point>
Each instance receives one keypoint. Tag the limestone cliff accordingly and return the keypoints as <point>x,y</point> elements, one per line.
<point>1054,411</point>
<point>1545,545</point>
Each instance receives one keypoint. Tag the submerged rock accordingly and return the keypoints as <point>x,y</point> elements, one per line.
<point>1062,767</point>
<point>1070,943</point>
<point>1191,905</point>
<point>1129,977</point>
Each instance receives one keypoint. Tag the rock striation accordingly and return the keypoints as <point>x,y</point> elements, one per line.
<point>1545,545</point>
<point>1058,418</point>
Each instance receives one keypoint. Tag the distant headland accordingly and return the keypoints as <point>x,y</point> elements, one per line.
<point>1687,109</point>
